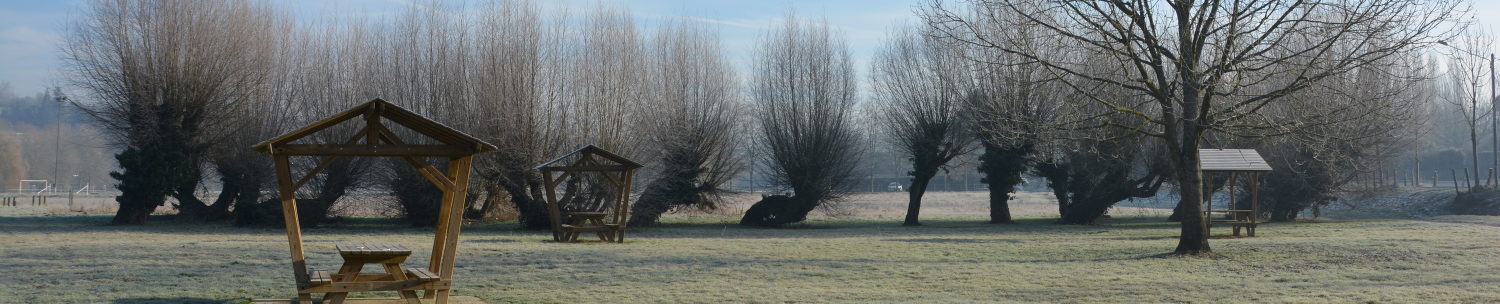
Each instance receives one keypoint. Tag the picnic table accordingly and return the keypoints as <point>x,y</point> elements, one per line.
<point>350,278</point>
<point>589,222</point>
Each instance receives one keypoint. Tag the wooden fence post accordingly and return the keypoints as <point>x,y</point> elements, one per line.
<point>1468,183</point>
<point>1455,180</point>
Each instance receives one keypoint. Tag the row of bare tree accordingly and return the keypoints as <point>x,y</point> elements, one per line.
<point>1108,100</point>
<point>184,87</point>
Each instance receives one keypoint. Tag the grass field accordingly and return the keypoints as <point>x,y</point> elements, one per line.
<point>862,255</point>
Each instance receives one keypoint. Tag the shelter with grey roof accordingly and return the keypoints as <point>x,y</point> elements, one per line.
<point>1236,163</point>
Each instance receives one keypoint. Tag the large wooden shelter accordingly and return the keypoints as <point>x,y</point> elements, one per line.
<point>600,180</point>
<point>1236,163</point>
<point>375,138</point>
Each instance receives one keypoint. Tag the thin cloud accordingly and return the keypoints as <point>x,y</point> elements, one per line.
<point>741,23</point>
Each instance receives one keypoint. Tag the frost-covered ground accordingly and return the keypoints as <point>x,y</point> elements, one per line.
<point>863,255</point>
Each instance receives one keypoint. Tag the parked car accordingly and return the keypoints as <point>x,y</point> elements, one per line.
<point>895,187</point>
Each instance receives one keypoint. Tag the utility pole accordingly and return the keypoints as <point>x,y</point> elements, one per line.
<point>57,143</point>
<point>1494,120</point>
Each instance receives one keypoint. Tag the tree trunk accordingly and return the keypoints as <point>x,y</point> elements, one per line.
<point>420,200</point>
<point>131,213</point>
<point>494,197</point>
<point>1194,238</point>
<point>921,177</point>
<point>660,196</point>
<point>1085,211</point>
<point>526,193</point>
<point>148,175</point>
<point>1002,168</point>
<point>1000,205</point>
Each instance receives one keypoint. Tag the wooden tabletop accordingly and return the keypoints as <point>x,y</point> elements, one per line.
<point>372,250</point>
<point>588,214</point>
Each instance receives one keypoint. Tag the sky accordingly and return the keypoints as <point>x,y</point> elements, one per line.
<point>31,31</point>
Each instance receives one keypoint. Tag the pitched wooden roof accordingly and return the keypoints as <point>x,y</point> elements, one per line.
<point>448,136</point>
<point>1231,160</point>
<point>622,163</point>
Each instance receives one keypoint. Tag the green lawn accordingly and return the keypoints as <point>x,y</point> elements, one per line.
<point>855,258</point>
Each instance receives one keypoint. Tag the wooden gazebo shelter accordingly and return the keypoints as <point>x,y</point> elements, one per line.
<point>376,139</point>
<point>1235,162</point>
<point>616,172</point>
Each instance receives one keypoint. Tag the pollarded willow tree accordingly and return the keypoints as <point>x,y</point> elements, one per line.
<point>1014,103</point>
<point>165,78</point>
<point>803,90</point>
<point>518,54</point>
<point>1207,66</point>
<point>919,86</point>
<point>697,102</point>
<point>542,87</point>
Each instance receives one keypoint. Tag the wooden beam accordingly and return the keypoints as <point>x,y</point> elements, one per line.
<point>588,168</point>
<point>313,128</point>
<point>372,118</point>
<point>426,169</point>
<point>374,150</point>
<point>327,161</point>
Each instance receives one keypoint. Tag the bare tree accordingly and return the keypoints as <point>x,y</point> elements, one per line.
<point>697,100</point>
<point>516,54</point>
<point>164,76</point>
<point>324,68</point>
<point>803,90</point>
<point>12,165</point>
<point>1209,66</point>
<point>1380,102</point>
<point>919,85</point>
<point>1091,169</point>
<point>1467,74</point>
<point>542,86</point>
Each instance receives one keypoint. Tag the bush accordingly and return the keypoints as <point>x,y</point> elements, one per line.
<point>1477,202</point>
<point>777,210</point>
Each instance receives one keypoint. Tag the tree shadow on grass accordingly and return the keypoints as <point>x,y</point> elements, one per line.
<point>875,227</point>
<point>956,241</point>
<point>834,228</point>
<point>169,225</point>
<point>178,300</point>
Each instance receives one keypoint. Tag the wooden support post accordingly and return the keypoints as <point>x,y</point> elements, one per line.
<point>1232,205</point>
<point>553,212</point>
<point>624,214</point>
<point>288,198</point>
<point>453,203</point>
<point>1254,203</point>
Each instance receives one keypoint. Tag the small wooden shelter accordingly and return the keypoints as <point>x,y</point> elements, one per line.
<point>376,139</point>
<point>608,213</point>
<point>1235,163</point>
